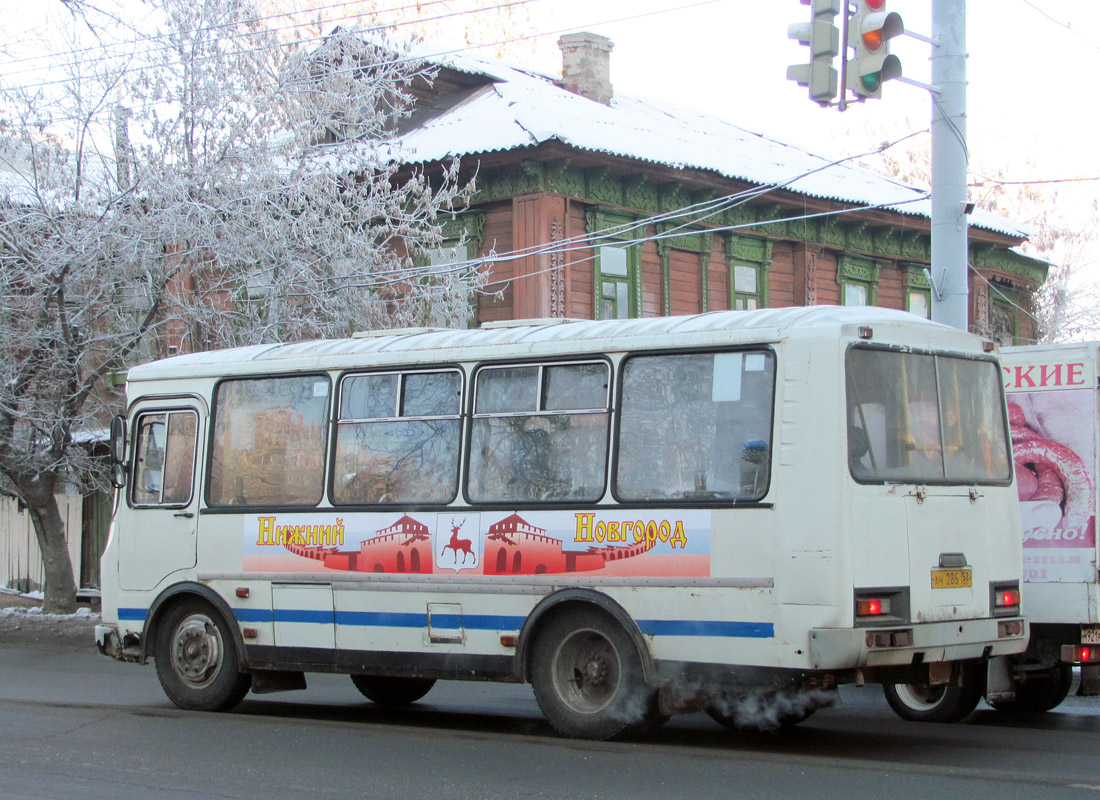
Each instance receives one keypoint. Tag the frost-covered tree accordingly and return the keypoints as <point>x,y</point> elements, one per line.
<point>210,184</point>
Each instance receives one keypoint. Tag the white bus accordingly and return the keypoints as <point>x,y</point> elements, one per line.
<point>638,517</point>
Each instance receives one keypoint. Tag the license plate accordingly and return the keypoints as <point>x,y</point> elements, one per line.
<point>950,579</point>
<point>1090,636</point>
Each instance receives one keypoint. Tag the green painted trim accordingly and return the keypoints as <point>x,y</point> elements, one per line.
<point>468,225</point>
<point>749,251</point>
<point>915,277</point>
<point>601,219</point>
<point>1011,263</point>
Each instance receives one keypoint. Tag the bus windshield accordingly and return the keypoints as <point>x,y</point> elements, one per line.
<point>926,418</point>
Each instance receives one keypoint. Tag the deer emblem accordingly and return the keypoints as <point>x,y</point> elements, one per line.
<point>455,544</point>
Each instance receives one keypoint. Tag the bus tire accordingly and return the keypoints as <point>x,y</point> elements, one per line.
<point>393,692</point>
<point>196,658</point>
<point>588,678</point>
<point>947,703</point>
<point>1042,691</point>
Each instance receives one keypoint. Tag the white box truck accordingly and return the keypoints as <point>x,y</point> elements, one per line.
<point>1053,403</point>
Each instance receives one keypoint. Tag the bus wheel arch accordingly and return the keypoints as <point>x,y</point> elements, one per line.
<point>184,592</point>
<point>575,600</point>
<point>197,656</point>
<point>588,674</point>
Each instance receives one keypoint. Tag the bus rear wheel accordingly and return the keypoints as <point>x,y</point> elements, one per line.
<point>389,691</point>
<point>946,703</point>
<point>588,678</point>
<point>196,659</point>
<point>1041,691</point>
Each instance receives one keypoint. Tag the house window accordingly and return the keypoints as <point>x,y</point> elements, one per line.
<point>918,295</point>
<point>746,291</point>
<point>858,280</point>
<point>919,302</point>
<point>854,293</point>
<point>453,299</point>
<point>617,269</point>
<point>748,258</point>
<point>1002,322</point>
<point>615,281</point>
<point>452,276</point>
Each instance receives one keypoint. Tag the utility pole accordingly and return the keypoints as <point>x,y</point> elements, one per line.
<point>950,254</point>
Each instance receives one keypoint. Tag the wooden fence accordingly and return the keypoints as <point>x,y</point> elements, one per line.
<point>20,558</point>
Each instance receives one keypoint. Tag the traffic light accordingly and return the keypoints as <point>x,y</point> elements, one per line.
<point>821,35</point>
<point>869,33</point>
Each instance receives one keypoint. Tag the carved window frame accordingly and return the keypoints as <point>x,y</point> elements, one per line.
<point>464,233</point>
<point>916,284</point>
<point>857,271</point>
<point>612,229</point>
<point>748,251</point>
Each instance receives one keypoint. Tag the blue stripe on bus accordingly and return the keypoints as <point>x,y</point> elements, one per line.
<point>478,622</point>
<point>700,627</point>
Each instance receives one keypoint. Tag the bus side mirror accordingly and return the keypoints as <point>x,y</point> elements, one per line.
<point>118,439</point>
<point>118,452</point>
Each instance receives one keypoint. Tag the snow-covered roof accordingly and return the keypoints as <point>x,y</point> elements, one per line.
<point>537,338</point>
<point>523,109</point>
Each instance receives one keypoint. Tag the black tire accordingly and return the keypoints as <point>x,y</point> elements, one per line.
<point>196,659</point>
<point>766,711</point>
<point>387,691</point>
<point>947,703</point>
<point>588,678</point>
<point>1040,692</point>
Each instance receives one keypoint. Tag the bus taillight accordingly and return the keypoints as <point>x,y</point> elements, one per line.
<point>872,606</point>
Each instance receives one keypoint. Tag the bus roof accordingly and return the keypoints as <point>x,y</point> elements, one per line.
<point>517,339</point>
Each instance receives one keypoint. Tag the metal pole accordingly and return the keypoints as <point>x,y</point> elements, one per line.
<point>949,160</point>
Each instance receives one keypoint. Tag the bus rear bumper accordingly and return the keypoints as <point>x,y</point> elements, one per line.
<point>926,642</point>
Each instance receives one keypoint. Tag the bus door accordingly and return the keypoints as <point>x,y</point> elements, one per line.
<point>161,534</point>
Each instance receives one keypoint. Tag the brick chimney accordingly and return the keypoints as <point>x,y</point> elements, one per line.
<point>586,65</point>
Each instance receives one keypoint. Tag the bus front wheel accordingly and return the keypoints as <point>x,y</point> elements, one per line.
<point>196,659</point>
<point>387,691</point>
<point>946,703</point>
<point>588,679</point>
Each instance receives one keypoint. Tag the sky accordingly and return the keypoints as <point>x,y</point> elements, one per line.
<point>1028,112</point>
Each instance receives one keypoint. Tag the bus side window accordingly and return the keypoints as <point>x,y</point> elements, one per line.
<point>164,466</point>
<point>268,444</point>
<point>398,438</point>
<point>540,433</point>
<point>696,427</point>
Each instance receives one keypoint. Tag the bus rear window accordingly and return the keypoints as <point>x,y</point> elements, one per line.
<point>925,418</point>
<point>268,446</point>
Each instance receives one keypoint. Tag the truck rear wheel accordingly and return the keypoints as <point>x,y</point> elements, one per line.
<point>1040,691</point>
<point>947,703</point>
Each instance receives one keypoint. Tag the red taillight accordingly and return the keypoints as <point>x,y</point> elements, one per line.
<point>872,607</point>
<point>1080,654</point>
<point>1008,597</point>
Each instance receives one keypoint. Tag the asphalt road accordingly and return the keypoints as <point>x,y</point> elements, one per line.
<point>76,725</point>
